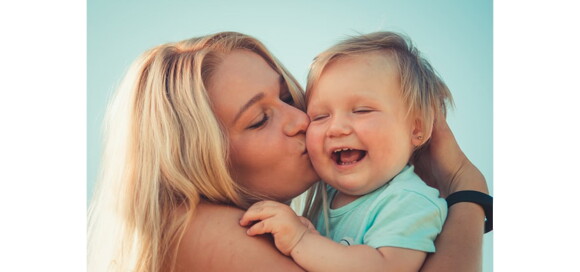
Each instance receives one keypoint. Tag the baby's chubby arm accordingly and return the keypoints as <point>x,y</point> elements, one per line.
<point>295,236</point>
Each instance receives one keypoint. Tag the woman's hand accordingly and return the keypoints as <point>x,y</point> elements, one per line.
<point>444,166</point>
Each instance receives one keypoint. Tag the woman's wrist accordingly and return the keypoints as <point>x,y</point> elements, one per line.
<point>484,201</point>
<point>468,186</point>
<point>467,178</point>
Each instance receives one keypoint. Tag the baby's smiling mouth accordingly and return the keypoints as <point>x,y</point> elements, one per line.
<point>346,156</point>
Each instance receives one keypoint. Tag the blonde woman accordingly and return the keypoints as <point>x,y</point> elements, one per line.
<point>201,129</point>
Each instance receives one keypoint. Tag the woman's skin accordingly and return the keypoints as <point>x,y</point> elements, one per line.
<point>267,134</point>
<point>267,149</point>
<point>444,166</point>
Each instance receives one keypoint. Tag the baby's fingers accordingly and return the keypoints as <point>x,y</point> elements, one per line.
<point>261,227</point>
<point>259,211</point>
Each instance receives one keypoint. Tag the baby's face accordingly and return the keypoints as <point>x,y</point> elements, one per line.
<point>359,136</point>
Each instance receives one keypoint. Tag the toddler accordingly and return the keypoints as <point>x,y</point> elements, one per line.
<point>371,100</point>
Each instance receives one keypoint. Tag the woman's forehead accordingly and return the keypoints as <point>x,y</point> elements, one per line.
<point>243,69</point>
<point>240,76</point>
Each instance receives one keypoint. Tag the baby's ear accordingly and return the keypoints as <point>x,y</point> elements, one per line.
<point>420,132</point>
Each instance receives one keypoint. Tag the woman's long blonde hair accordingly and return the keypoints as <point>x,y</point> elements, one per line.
<point>164,150</point>
<point>423,91</point>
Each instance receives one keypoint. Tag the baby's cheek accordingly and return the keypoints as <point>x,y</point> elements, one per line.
<point>314,137</point>
<point>314,143</point>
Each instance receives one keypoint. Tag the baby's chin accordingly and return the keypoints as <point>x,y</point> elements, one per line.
<point>350,187</point>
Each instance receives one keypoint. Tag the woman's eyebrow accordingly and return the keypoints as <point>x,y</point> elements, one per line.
<point>248,104</point>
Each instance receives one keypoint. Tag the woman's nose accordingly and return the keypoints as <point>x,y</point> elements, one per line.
<point>339,126</point>
<point>296,122</point>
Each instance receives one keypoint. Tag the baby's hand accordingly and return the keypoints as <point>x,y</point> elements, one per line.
<point>308,224</point>
<point>278,219</point>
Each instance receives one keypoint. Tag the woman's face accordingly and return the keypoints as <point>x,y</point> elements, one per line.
<point>266,133</point>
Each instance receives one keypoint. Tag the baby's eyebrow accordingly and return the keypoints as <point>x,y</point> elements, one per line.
<point>248,104</point>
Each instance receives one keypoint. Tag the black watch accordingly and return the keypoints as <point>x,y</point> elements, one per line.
<point>484,200</point>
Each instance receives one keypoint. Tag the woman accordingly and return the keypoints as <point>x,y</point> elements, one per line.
<point>201,129</point>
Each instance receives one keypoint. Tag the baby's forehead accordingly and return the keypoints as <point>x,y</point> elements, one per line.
<point>354,73</point>
<point>379,54</point>
<point>378,59</point>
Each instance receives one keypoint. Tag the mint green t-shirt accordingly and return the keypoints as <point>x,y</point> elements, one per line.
<point>404,213</point>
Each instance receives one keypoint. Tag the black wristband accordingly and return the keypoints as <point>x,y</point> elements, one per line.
<point>484,200</point>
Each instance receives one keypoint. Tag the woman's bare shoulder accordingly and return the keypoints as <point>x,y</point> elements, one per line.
<point>215,241</point>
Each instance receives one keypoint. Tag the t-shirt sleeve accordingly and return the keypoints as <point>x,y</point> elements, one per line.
<point>407,219</point>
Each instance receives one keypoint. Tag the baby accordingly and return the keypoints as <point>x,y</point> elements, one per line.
<point>371,101</point>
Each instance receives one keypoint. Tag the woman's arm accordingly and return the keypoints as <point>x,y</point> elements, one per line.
<point>214,241</point>
<point>444,166</point>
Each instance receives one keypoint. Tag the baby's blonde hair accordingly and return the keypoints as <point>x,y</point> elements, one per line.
<point>423,91</point>
<point>165,150</point>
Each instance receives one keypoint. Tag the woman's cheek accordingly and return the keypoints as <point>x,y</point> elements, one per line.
<point>246,153</point>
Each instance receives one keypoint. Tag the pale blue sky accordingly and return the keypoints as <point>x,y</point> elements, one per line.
<point>455,36</point>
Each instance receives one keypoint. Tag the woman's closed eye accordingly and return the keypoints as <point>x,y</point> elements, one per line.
<point>259,123</point>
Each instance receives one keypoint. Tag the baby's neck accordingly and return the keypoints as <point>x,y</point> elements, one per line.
<point>341,200</point>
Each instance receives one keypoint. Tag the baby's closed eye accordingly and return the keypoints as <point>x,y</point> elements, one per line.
<point>318,117</point>
<point>363,110</point>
